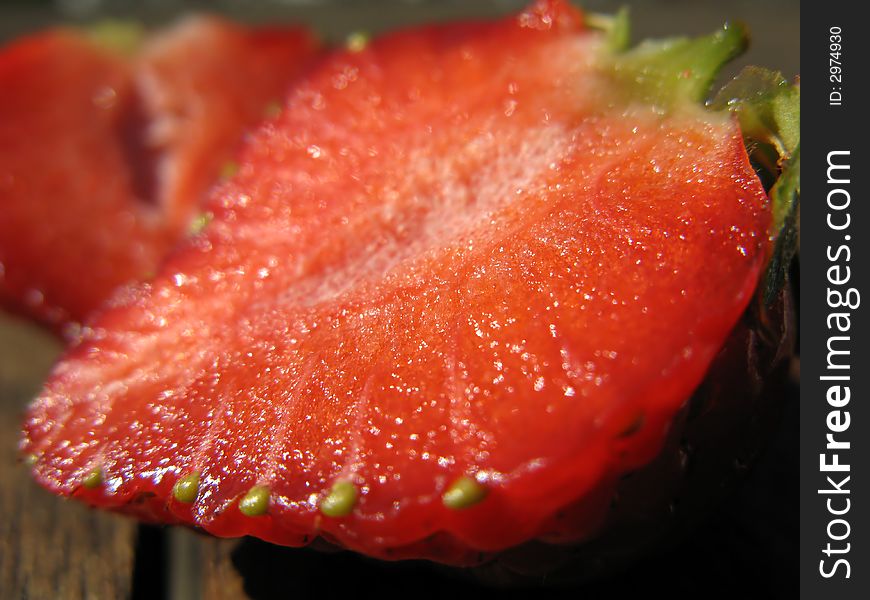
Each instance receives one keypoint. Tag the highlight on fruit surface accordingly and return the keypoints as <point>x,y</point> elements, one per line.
<point>478,289</point>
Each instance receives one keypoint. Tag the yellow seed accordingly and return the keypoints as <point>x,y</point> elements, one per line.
<point>357,41</point>
<point>255,502</point>
<point>341,499</point>
<point>462,493</point>
<point>199,223</point>
<point>272,110</point>
<point>229,169</point>
<point>93,479</point>
<point>186,489</point>
<point>30,460</point>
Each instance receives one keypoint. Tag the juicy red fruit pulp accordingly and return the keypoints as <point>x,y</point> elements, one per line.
<point>460,252</point>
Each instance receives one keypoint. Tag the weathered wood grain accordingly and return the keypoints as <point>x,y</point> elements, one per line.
<point>49,548</point>
<point>218,576</point>
<point>200,566</point>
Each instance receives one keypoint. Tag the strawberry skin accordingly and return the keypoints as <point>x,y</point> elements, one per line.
<point>104,156</point>
<point>462,281</point>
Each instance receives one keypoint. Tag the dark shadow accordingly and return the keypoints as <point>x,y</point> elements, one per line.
<point>747,549</point>
<point>149,566</point>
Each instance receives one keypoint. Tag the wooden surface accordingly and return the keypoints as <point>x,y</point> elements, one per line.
<point>57,549</point>
<point>49,548</point>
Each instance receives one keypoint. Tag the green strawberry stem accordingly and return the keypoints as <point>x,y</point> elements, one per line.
<point>616,27</point>
<point>123,37</point>
<point>675,70</point>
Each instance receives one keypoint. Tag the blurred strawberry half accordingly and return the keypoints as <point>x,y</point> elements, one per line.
<point>109,141</point>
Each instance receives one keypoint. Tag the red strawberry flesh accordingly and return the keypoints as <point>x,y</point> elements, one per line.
<point>461,252</point>
<point>104,157</point>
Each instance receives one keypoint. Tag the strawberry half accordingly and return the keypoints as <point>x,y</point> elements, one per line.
<point>464,282</point>
<point>108,143</point>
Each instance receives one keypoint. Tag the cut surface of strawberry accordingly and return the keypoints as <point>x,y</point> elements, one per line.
<point>104,155</point>
<point>462,284</point>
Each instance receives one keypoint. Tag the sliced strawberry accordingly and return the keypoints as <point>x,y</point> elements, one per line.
<point>103,157</point>
<point>460,286</point>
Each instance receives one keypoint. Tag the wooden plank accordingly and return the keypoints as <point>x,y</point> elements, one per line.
<point>218,578</point>
<point>49,547</point>
<point>200,566</point>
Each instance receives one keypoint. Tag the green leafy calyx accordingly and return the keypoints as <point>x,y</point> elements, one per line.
<point>768,109</point>
<point>122,37</point>
<point>673,71</point>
